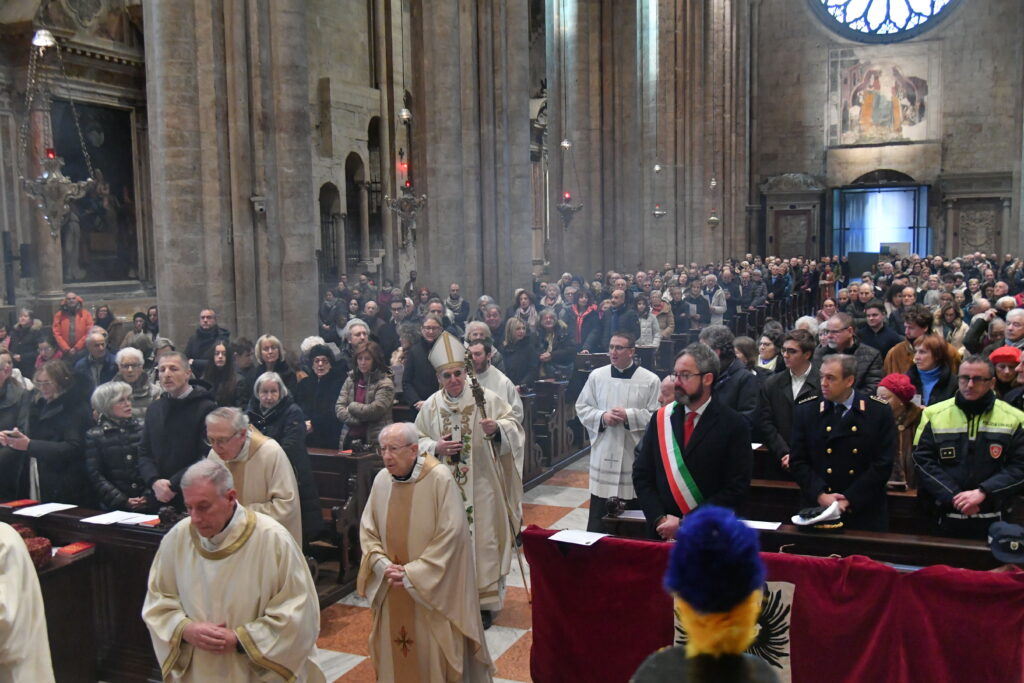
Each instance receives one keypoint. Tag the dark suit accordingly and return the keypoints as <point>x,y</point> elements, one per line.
<point>777,287</point>
<point>718,456</point>
<point>777,405</point>
<point>851,455</point>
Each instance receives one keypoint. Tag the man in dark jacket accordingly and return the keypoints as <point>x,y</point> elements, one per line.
<point>711,455</point>
<point>98,365</point>
<point>840,338</point>
<point>735,385</point>
<point>206,335</point>
<point>783,391</point>
<point>874,332</point>
<point>618,318</point>
<point>14,400</point>
<point>173,435</point>
<point>842,448</point>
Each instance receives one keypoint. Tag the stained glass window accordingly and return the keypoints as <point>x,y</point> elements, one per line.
<point>882,21</point>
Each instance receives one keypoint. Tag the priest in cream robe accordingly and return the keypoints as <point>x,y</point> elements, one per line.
<point>230,597</point>
<point>24,646</point>
<point>492,378</point>
<point>615,406</point>
<point>417,570</point>
<point>262,473</point>
<point>453,430</point>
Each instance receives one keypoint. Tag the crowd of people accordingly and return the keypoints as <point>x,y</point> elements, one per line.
<point>907,376</point>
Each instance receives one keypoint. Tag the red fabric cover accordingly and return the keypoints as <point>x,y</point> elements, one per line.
<point>598,611</point>
<point>40,550</point>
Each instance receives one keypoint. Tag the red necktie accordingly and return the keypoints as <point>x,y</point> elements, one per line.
<point>691,418</point>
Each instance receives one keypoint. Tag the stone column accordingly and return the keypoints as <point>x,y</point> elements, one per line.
<point>1007,243</point>
<point>950,204</point>
<point>364,226</point>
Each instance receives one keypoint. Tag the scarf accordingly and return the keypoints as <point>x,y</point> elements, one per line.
<point>579,319</point>
<point>977,407</point>
<point>453,305</point>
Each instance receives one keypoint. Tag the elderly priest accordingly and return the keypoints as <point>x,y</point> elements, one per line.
<point>417,569</point>
<point>485,456</point>
<point>230,597</point>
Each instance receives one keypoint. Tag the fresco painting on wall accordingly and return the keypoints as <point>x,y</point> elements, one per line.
<point>881,96</point>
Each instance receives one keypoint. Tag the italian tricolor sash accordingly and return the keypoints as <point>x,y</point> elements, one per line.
<point>680,482</point>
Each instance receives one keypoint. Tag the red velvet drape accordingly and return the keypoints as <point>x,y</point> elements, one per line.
<point>598,611</point>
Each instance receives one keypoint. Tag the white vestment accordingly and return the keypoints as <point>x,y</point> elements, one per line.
<point>265,481</point>
<point>494,379</point>
<point>252,578</point>
<point>476,473</point>
<point>611,448</point>
<point>429,629</point>
<point>24,646</point>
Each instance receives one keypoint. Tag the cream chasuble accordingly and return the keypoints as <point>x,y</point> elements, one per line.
<point>611,448</point>
<point>430,630</point>
<point>476,475</point>
<point>250,577</point>
<point>24,647</point>
<point>494,379</point>
<point>265,481</point>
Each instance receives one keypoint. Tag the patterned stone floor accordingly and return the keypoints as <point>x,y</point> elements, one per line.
<point>560,503</point>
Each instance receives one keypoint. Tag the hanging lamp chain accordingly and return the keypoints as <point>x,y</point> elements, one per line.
<point>74,114</point>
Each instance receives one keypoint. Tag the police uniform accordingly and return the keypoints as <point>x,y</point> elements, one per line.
<point>850,454</point>
<point>954,453</point>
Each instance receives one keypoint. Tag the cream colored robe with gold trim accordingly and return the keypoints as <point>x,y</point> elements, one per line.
<point>429,630</point>
<point>250,577</point>
<point>265,481</point>
<point>477,479</point>
<point>24,647</point>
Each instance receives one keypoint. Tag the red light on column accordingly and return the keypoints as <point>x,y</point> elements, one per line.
<point>567,196</point>
<point>51,153</point>
<point>408,183</point>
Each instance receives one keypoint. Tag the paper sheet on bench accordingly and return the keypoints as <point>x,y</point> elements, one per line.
<point>44,509</point>
<point>765,526</point>
<point>577,537</point>
<point>120,517</point>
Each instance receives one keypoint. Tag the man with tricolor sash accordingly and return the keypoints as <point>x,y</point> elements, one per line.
<point>695,450</point>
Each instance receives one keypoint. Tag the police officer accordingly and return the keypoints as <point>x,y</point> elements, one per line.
<point>970,454</point>
<point>842,447</point>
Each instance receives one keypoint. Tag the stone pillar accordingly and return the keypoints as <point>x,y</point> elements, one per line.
<point>1007,243</point>
<point>233,202</point>
<point>49,265</point>
<point>471,93</point>
<point>364,226</point>
<point>950,204</point>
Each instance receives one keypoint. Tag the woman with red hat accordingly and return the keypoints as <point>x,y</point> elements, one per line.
<point>1005,360</point>
<point>898,392</point>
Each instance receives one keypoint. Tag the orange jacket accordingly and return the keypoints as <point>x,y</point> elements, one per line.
<point>62,328</point>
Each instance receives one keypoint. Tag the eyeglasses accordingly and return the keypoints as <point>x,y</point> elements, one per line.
<point>964,379</point>
<point>765,344</point>
<point>449,375</point>
<point>130,366</point>
<point>789,352</point>
<point>395,449</point>
<point>217,442</point>
<point>687,376</point>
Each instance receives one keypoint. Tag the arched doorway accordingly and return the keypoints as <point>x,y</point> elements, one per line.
<point>356,213</point>
<point>882,212</point>
<point>331,252</point>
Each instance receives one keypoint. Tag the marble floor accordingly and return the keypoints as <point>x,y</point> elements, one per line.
<point>562,502</point>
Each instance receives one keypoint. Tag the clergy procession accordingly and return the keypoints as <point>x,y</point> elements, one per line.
<point>655,432</point>
<point>511,342</point>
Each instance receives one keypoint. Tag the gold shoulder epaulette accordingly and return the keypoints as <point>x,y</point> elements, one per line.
<point>881,400</point>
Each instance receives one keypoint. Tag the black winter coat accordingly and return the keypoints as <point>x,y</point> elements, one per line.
<point>173,436</point>
<point>521,360</point>
<point>317,396</point>
<point>285,423</point>
<point>25,343</point>
<point>419,381</point>
<point>112,463</point>
<point>57,436</point>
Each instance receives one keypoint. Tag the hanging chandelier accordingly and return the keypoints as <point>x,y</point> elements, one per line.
<point>51,191</point>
